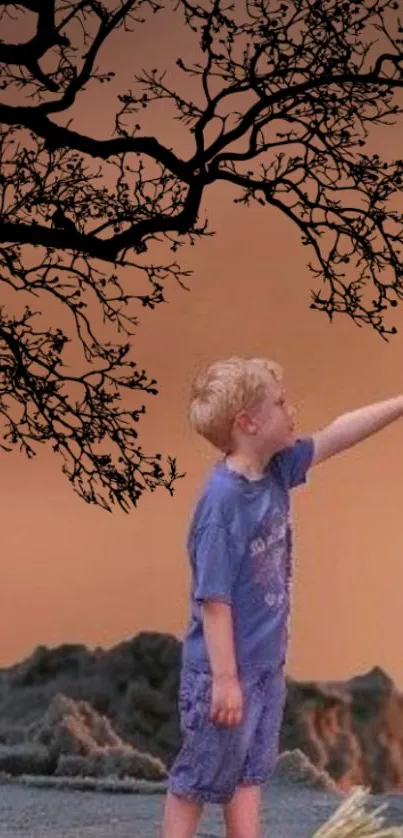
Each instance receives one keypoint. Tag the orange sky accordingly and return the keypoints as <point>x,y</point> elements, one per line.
<point>73,573</point>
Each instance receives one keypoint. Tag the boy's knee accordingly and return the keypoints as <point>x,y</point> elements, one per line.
<point>242,814</point>
<point>243,832</point>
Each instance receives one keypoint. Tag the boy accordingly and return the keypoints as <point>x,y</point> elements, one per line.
<point>232,682</point>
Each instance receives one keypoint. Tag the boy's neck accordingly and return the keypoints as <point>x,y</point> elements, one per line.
<point>251,464</point>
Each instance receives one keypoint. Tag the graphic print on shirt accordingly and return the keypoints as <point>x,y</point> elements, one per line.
<point>270,553</point>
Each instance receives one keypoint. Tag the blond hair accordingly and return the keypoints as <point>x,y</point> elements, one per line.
<point>223,390</point>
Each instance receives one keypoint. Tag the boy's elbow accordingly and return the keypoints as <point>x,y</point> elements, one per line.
<point>216,606</point>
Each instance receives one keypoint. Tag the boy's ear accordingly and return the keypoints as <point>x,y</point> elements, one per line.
<point>244,422</point>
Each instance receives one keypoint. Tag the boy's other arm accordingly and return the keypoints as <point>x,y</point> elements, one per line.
<point>347,430</point>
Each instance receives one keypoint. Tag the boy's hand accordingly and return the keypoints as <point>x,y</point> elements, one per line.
<point>226,701</point>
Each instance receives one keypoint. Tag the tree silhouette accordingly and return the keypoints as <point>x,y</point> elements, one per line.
<point>286,94</point>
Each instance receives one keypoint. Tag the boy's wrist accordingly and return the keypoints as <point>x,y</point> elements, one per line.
<point>225,674</point>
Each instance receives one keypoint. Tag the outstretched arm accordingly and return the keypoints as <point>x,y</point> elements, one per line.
<point>347,430</point>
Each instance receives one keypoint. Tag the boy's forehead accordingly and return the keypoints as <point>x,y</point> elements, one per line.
<point>275,386</point>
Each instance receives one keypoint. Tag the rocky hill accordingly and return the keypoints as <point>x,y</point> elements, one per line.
<point>71,711</point>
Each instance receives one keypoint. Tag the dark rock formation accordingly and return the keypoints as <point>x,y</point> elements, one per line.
<point>134,685</point>
<point>352,731</point>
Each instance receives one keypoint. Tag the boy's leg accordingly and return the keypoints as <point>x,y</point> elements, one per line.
<point>180,817</point>
<point>242,813</point>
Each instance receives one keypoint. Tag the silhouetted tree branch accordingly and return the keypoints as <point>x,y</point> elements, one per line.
<point>286,94</point>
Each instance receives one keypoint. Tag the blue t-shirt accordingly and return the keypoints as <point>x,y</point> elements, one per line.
<point>240,552</point>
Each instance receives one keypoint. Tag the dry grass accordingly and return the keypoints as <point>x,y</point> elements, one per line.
<point>351,820</point>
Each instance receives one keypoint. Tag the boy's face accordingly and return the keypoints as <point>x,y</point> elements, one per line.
<point>271,425</point>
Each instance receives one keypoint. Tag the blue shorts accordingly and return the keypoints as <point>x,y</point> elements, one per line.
<point>215,759</point>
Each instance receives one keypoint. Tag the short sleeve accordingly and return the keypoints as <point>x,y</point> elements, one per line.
<point>215,564</point>
<point>294,462</point>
